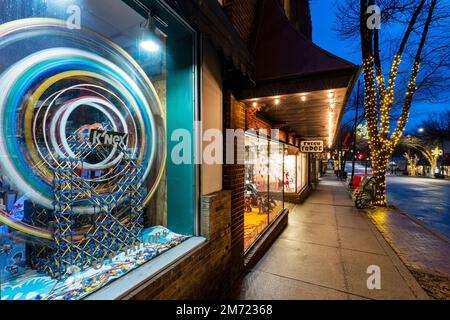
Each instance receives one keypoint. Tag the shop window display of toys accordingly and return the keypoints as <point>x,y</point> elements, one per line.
<point>262,202</point>
<point>86,250</point>
<point>83,146</point>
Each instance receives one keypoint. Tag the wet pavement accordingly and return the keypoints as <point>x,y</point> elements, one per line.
<point>424,198</point>
<point>325,253</point>
<point>417,246</point>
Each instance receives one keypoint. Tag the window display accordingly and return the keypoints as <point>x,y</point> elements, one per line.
<point>290,170</point>
<point>256,188</point>
<point>272,169</point>
<point>276,180</point>
<point>84,113</point>
<point>302,171</point>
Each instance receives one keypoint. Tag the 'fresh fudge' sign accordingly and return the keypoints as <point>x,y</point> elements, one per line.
<point>311,146</point>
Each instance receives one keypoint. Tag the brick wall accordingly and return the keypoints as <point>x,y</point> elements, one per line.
<point>253,122</point>
<point>233,180</point>
<point>205,273</point>
<point>242,14</point>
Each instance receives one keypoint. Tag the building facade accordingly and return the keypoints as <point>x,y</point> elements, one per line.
<point>105,113</point>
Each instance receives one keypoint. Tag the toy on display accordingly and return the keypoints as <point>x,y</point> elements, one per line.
<point>251,197</point>
<point>154,241</point>
<point>83,147</point>
<point>261,201</point>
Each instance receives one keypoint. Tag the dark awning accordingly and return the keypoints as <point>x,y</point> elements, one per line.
<point>281,51</point>
<point>295,78</point>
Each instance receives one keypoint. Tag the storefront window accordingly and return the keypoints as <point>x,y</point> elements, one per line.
<point>256,188</point>
<point>302,171</point>
<point>290,170</point>
<point>91,91</point>
<point>275,199</point>
<point>265,183</point>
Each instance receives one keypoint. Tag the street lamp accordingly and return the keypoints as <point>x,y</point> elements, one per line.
<point>421,130</point>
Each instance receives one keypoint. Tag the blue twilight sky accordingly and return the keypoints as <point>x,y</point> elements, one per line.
<point>323,19</point>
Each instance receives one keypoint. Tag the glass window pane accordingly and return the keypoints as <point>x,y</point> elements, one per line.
<point>256,188</point>
<point>89,94</point>
<point>299,172</point>
<point>277,181</point>
<point>304,170</point>
<point>290,169</point>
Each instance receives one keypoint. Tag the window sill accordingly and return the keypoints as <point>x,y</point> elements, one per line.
<point>135,278</point>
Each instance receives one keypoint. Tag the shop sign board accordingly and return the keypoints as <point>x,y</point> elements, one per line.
<point>312,146</point>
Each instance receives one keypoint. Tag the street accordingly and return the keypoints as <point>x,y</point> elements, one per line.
<point>424,198</point>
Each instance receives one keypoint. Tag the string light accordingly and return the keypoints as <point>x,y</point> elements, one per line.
<point>380,144</point>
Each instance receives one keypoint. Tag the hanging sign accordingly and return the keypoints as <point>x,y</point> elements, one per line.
<point>311,146</point>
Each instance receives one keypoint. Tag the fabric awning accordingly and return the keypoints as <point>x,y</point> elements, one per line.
<point>294,77</point>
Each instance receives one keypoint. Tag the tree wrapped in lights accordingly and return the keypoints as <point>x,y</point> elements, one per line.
<point>411,162</point>
<point>429,150</point>
<point>380,90</point>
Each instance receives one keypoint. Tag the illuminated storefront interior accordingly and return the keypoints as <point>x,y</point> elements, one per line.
<point>273,169</point>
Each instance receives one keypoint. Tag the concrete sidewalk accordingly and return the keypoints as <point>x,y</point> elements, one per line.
<point>324,253</point>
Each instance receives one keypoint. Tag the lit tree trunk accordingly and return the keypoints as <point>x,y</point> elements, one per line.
<point>433,167</point>
<point>379,174</point>
<point>379,94</point>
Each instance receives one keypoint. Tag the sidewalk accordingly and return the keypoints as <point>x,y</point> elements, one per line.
<point>426,253</point>
<point>324,253</point>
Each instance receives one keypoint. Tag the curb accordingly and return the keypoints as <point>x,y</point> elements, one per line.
<point>420,223</point>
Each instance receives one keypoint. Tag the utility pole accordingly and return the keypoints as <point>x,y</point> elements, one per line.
<point>354,136</point>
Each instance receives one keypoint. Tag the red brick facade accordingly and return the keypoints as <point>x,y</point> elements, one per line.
<point>233,181</point>
<point>242,14</point>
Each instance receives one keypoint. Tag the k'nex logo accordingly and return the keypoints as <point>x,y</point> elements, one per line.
<point>109,138</point>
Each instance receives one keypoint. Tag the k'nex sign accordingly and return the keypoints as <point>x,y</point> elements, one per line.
<point>108,138</point>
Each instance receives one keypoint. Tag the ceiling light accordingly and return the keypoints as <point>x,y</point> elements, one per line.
<point>149,40</point>
<point>150,46</point>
